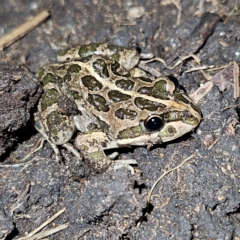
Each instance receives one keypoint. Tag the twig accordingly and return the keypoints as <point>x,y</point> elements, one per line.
<point>197,59</point>
<point>23,29</point>
<point>157,181</point>
<point>230,107</point>
<point>199,68</point>
<point>214,142</point>
<point>20,198</point>
<point>35,149</point>
<point>43,225</point>
<point>48,232</point>
<point>177,4</point>
<point>236,79</point>
<point>231,13</point>
<point>202,91</point>
<point>81,234</point>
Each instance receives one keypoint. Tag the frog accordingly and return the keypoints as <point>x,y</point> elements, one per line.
<point>97,98</point>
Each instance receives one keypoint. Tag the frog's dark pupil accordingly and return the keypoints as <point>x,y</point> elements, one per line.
<point>154,123</point>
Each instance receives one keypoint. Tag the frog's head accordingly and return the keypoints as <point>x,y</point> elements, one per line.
<point>159,128</point>
<point>166,114</point>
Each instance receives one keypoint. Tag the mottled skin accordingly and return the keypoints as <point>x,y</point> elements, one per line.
<point>98,90</point>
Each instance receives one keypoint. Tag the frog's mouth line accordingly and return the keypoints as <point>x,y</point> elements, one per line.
<point>165,135</point>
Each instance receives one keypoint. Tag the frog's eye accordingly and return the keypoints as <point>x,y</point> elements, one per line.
<point>153,123</point>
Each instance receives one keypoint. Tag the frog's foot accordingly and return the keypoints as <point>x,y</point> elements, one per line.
<point>71,149</point>
<point>68,146</point>
<point>56,151</point>
<point>117,164</point>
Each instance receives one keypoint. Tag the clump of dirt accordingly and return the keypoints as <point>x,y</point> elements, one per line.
<point>19,90</point>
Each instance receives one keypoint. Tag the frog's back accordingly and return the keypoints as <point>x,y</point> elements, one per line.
<point>126,57</point>
<point>102,93</point>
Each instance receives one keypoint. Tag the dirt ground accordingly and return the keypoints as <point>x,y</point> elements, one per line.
<point>199,200</point>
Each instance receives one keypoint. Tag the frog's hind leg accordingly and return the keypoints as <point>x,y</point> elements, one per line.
<point>54,146</point>
<point>39,126</point>
<point>92,147</point>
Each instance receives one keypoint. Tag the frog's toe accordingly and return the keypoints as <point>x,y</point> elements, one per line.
<point>117,164</point>
<point>71,149</point>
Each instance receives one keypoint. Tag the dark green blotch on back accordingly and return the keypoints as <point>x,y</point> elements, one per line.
<point>181,98</point>
<point>117,69</point>
<point>76,95</point>
<point>49,77</point>
<point>88,49</point>
<point>99,102</point>
<point>85,59</point>
<point>130,132</point>
<point>91,83</point>
<point>62,52</point>
<point>114,67</point>
<point>177,94</point>
<point>61,67</point>
<point>157,91</point>
<point>54,120</point>
<point>49,97</point>
<point>124,113</point>
<point>117,96</point>
<point>115,48</point>
<point>125,84</point>
<point>40,72</point>
<point>67,77</point>
<point>74,68</point>
<point>147,104</point>
<point>100,68</point>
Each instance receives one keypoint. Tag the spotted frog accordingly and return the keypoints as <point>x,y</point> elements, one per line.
<point>97,98</point>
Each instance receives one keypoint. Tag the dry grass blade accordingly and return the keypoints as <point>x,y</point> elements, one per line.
<point>81,234</point>
<point>201,92</point>
<point>223,78</point>
<point>27,237</point>
<point>236,79</point>
<point>177,4</point>
<point>196,58</point>
<point>235,8</point>
<point>48,232</point>
<point>199,68</point>
<point>23,29</point>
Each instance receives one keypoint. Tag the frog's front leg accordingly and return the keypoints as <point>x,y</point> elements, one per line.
<point>39,126</point>
<point>92,147</point>
<point>44,128</point>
